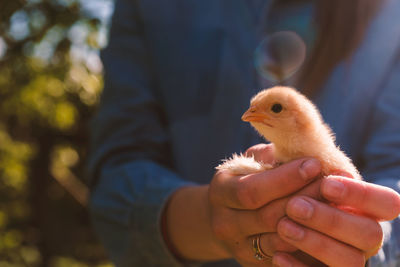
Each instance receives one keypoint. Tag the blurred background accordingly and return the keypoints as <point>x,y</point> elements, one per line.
<point>50,81</point>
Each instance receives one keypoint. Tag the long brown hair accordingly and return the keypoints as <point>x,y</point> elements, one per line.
<point>341,25</point>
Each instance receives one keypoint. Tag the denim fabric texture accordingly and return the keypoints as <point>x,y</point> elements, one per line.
<point>179,75</point>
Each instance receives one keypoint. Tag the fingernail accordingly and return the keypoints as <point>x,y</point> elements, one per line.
<point>291,230</point>
<point>300,208</point>
<point>309,169</point>
<point>281,262</point>
<point>333,188</point>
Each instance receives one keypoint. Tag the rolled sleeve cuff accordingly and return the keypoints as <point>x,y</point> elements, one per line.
<point>126,208</point>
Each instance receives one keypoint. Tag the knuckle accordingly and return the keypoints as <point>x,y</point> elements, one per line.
<point>375,237</point>
<point>334,222</point>
<point>261,152</point>
<point>257,148</point>
<point>214,190</point>
<point>363,194</point>
<point>251,151</point>
<point>246,194</point>
<point>356,259</point>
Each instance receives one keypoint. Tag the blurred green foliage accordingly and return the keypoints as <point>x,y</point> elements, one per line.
<point>50,81</point>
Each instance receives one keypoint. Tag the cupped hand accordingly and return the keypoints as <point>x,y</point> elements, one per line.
<point>332,234</point>
<point>245,206</point>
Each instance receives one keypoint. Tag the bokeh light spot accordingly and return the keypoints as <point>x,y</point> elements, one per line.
<point>3,47</point>
<point>64,115</point>
<point>279,56</point>
<point>19,25</point>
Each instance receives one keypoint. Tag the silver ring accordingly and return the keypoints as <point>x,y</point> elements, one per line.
<point>258,253</point>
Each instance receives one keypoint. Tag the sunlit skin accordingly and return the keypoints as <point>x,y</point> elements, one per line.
<point>252,195</point>
<point>218,220</point>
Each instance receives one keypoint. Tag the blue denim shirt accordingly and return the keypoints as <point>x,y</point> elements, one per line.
<point>179,74</point>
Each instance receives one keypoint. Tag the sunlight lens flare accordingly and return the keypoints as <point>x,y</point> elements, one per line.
<point>279,56</point>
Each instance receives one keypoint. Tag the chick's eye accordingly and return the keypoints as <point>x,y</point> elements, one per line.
<point>276,108</point>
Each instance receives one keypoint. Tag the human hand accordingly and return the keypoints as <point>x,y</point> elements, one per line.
<point>332,235</point>
<point>245,206</point>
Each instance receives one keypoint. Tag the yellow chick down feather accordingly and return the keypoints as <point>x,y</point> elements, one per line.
<point>294,125</point>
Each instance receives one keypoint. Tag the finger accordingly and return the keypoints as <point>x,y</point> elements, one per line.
<point>285,259</point>
<point>262,153</point>
<point>320,246</point>
<point>341,173</point>
<point>239,246</point>
<point>358,231</point>
<point>255,190</point>
<point>374,200</point>
<point>244,253</point>
<point>232,224</point>
<point>265,219</point>
<point>271,242</point>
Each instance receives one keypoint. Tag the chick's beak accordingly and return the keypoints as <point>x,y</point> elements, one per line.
<point>253,115</point>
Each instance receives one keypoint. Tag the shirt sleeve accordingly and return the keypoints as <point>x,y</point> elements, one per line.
<point>382,160</point>
<point>130,163</point>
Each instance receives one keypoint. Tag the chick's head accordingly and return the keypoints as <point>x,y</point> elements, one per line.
<point>281,113</point>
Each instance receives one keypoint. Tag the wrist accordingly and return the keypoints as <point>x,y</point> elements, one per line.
<point>187,229</point>
<point>164,232</point>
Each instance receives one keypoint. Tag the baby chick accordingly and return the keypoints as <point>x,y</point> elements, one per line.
<point>294,125</point>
